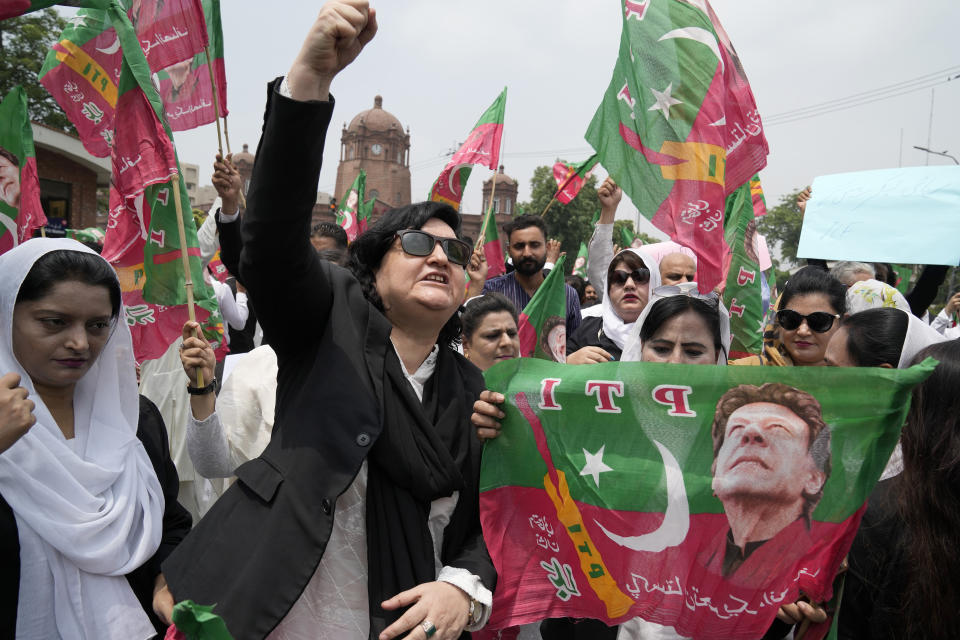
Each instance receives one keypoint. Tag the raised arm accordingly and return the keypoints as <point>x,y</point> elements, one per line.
<point>278,265</point>
<point>600,248</point>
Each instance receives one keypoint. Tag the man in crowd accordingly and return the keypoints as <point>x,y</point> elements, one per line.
<point>676,268</point>
<point>527,246</point>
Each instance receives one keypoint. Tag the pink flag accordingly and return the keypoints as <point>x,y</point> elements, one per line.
<point>169,30</point>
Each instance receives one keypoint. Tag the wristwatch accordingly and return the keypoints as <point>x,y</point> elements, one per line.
<point>475,613</point>
<point>202,391</point>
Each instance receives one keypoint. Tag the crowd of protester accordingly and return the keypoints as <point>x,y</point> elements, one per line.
<point>115,504</point>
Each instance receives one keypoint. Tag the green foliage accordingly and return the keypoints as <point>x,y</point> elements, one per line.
<point>199,216</point>
<point>618,226</point>
<point>782,225</point>
<point>24,42</point>
<point>569,223</point>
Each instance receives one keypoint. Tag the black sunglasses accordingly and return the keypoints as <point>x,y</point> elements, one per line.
<point>639,276</point>
<point>420,243</point>
<point>818,321</point>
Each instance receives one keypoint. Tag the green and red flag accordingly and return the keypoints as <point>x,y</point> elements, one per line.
<point>142,240</point>
<point>350,207</point>
<point>580,264</point>
<point>94,235</point>
<point>81,72</point>
<point>625,490</point>
<point>365,214</point>
<point>543,322</point>
<point>168,30</point>
<point>759,200</point>
<point>904,273</point>
<point>571,178</point>
<point>628,238</point>
<point>492,249</point>
<point>678,127</point>
<point>743,291</point>
<point>188,98</point>
<point>20,209</point>
<point>482,147</point>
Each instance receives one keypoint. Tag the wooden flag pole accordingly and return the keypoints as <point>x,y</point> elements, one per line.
<point>226,135</point>
<point>187,280</point>
<point>216,102</point>
<point>549,204</point>
<point>486,215</point>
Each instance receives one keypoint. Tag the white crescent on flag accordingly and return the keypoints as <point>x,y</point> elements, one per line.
<point>697,35</point>
<point>676,519</point>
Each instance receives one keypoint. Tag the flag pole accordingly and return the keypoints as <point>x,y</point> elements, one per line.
<point>216,105</point>
<point>549,204</point>
<point>486,216</point>
<point>226,134</point>
<point>187,281</point>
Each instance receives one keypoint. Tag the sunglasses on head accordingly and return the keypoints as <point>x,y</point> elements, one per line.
<point>420,243</point>
<point>818,321</point>
<point>639,276</point>
<point>688,289</point>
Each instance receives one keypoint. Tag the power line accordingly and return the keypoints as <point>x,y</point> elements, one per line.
<point>936,76</point>
<point>798,115</point>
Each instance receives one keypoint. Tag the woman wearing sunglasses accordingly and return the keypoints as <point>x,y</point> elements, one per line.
<point>632,274</point>
<point>361,517</point>
<point>808,313</point>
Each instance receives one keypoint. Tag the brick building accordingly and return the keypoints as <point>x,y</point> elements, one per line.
<point>376,142</point>
<point>69,180</point>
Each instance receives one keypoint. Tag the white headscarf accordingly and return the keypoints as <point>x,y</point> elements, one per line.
<point>873,294</point>
<point>633,350</point>
<point>919,336</point>
<point>613,325</point>
<point>89,510</point>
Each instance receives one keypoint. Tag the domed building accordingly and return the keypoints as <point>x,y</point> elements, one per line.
<point>504,196</point>
<point>243,161</point>
<point>376,142</point>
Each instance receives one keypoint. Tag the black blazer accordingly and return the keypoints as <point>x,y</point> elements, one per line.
<point>257,548</point>
<point>176,524</point>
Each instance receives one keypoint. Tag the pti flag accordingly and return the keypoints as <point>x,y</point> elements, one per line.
<point>196,622</point>
<point>543,322</point>
<point>168,30</point>
<point>482,147</point>
<point>759,200</point>
<point>81,71</point>
<point>678,126</point>
<point>743,291</point>
<point>580,264</point>
<point>492,249</point>
<point>350,206</point>
<point>188,96</point>
<point>155,326</point>
<point>571,178</point>
<point>654,490</point>
<point>20,209</point>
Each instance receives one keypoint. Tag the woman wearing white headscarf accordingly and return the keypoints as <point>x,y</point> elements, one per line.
<point>82,521</point>
<point>627,283</point>
<point>680,325</point>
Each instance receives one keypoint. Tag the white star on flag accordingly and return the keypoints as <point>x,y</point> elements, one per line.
<point>664,101</point>
<point>594,466</point>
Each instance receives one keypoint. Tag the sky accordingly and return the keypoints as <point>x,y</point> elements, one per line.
<point>439,64</point>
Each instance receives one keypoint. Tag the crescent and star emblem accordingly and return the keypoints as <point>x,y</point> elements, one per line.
<point>676,519</point>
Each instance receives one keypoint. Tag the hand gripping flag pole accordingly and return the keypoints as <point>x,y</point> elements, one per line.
<point>188,281</point>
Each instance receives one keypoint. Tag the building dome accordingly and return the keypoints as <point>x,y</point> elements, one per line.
<point>375,119</point>
<point>501,178</point>
<point>244,156</point>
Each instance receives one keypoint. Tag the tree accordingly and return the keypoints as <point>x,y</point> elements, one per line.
<point>24,42</point>
<point>782,225</point>
<point>569,223</point>
<point>618,225</point>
